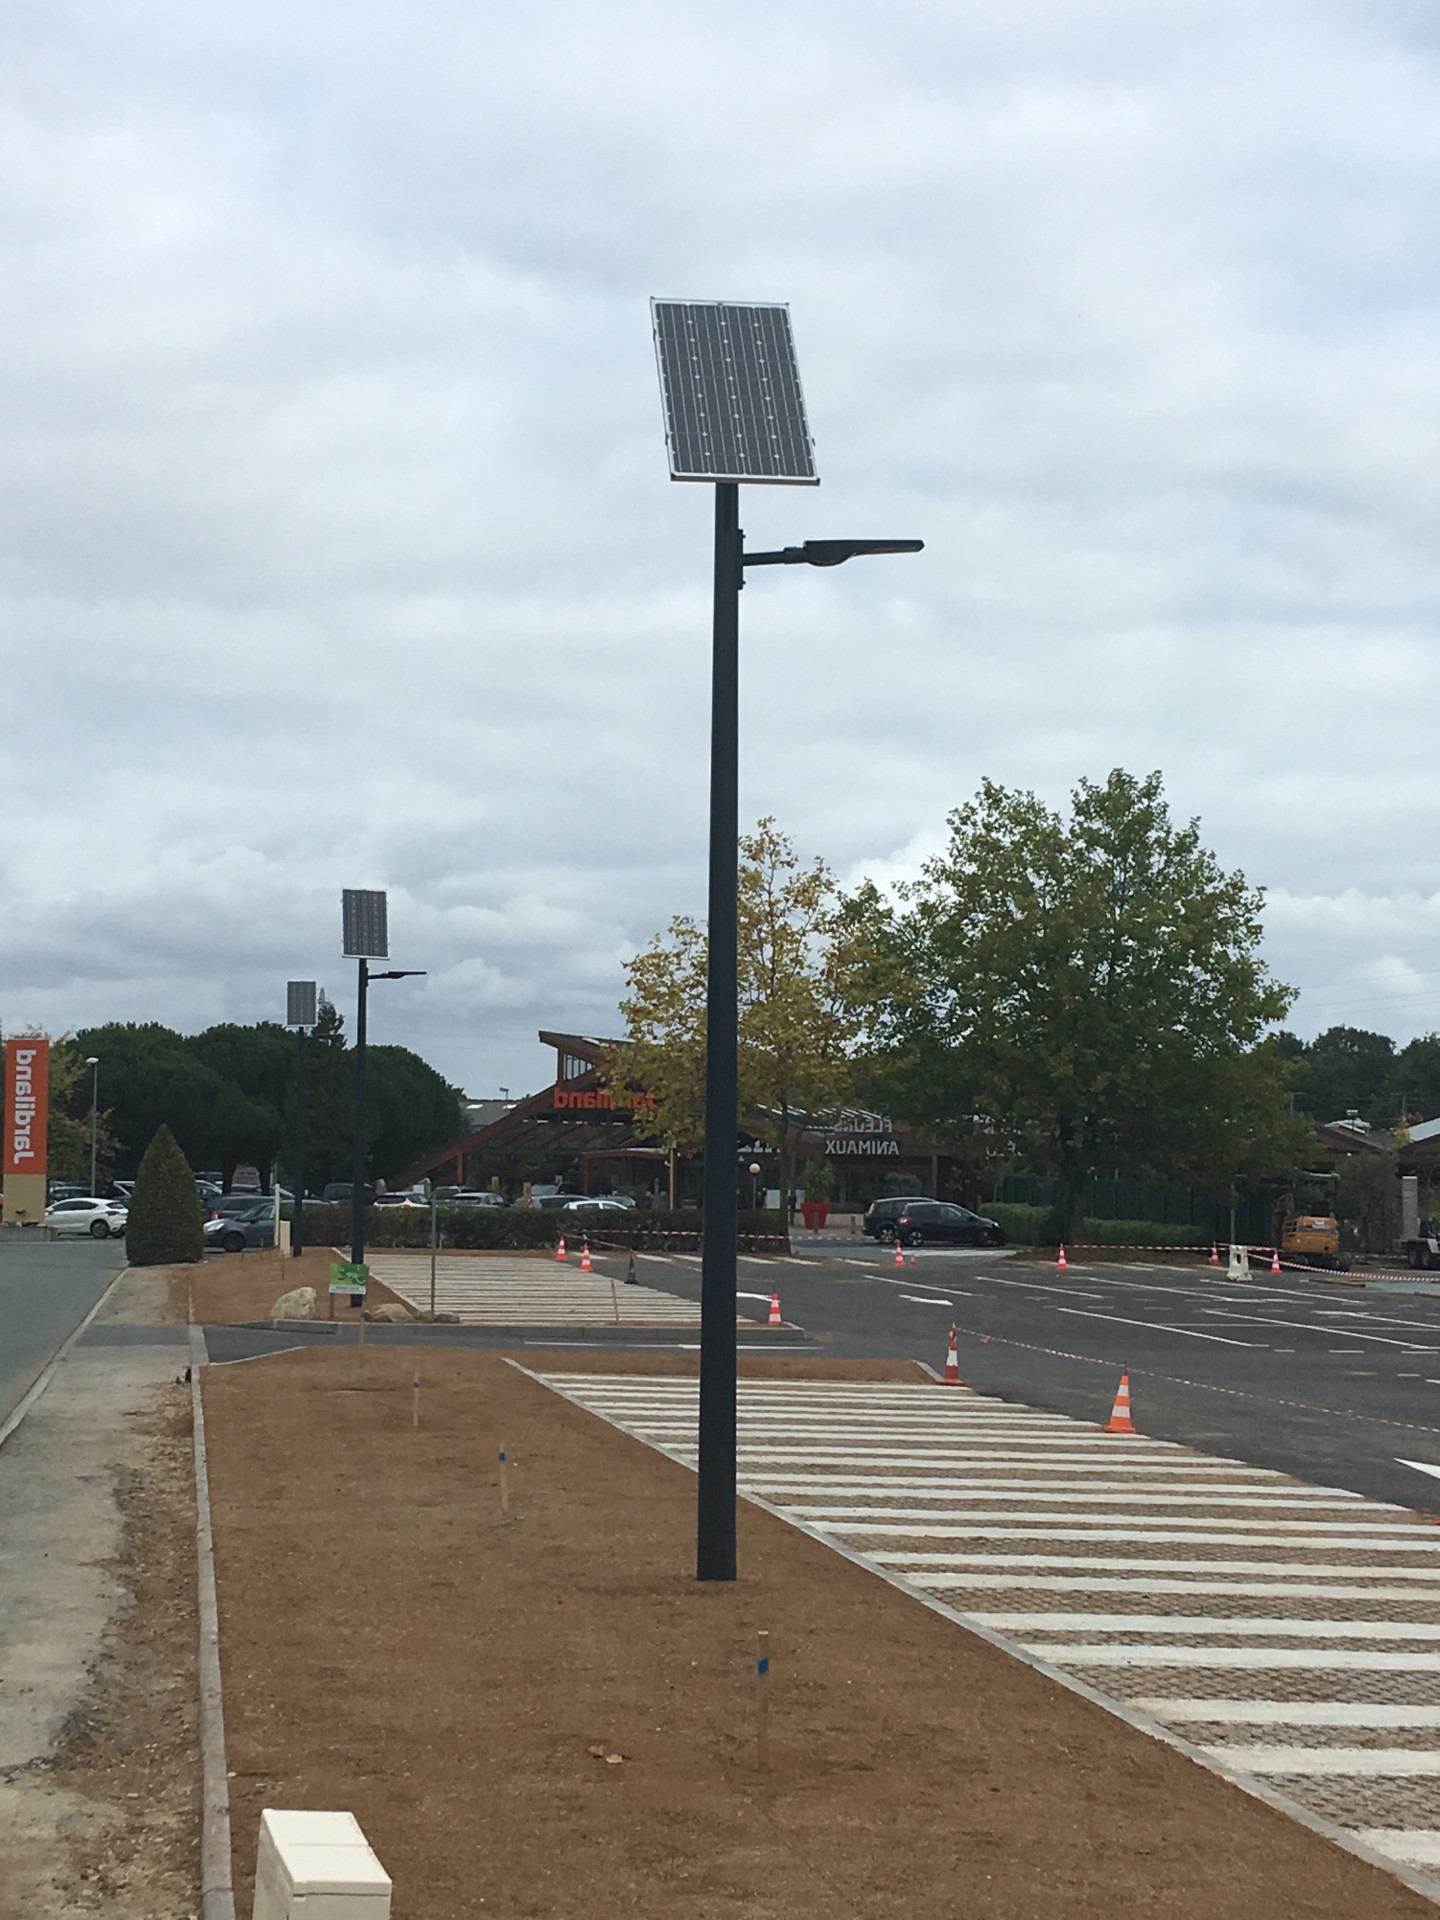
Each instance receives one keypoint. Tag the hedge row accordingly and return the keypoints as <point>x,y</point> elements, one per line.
<point>470,1227</point>
<point>1040,1227</point>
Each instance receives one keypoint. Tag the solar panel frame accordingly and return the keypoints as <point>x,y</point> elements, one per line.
<point>730,386</point>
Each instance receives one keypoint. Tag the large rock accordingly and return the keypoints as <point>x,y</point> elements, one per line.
<point>392,1313</point>
<point>298,1304</point>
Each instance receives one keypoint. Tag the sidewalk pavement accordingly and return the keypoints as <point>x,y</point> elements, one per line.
<point>64,1475</point>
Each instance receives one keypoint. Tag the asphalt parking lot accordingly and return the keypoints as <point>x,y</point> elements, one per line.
<point>1336,1383</point>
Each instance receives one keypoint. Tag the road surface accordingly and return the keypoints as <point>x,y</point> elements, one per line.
<point>46,1289</point>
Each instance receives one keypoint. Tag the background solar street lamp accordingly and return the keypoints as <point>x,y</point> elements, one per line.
<point>93,1062</point>
<point>300,1013</point>
<point>734,413</point>
<point>366,927</point>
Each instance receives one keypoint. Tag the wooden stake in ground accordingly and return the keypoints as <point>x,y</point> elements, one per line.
<point>614,1300</point>
<point>415,1404</point>
<point>504,1483</point>
<point>762,1702</point>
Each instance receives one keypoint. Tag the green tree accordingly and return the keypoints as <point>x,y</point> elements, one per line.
<point>69,1136</point>
<point>410,1109</point>
<point>795,1025</point>
<point>1345,1068</point>
<point>329,1100</point>
<point>164,1225</point>
<point>1415,1080</point>
<point>1078,994</point>
<point>1368,1200</point>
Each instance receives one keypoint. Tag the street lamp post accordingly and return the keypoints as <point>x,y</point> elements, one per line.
<point>365,920</point>
<point>733,412</point>
<point>301,1008</point>
<point>93,1062</point>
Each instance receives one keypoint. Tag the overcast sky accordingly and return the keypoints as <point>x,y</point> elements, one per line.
<point>339,548</point>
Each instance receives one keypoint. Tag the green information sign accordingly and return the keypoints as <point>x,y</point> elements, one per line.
<point>346,1277</point>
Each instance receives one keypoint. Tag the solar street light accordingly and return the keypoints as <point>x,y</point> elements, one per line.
<point>366,930</point>
<point>734,412</point>
<point>300,1012</point>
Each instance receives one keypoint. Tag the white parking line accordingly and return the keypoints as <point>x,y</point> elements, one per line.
<point>1159,1326</point>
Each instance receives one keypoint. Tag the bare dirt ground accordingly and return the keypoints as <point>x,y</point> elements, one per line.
<point>236,1288</point>
<point>544,1714</point>
<point>109,1823</point>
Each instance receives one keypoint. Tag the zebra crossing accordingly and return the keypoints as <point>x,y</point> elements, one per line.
<point>1290,1632</point>
<point>486,1290</point>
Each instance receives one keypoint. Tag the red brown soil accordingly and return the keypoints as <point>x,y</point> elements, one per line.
<point>393,1644</point>
<point>239,1287</point>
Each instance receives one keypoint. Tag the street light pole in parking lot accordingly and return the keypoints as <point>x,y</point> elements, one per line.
<point>734,412</point>
<point>367,937</point>
<point>94,1065</point>
<point>301,1001</point>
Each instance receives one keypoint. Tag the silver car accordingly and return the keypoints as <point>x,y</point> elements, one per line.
<point>100,1219</point>
<point>254,1226</point>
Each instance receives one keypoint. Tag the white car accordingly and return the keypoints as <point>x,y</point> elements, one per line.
<point>101,1219</point>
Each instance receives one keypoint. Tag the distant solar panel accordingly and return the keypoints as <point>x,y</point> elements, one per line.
<point>731,388</point>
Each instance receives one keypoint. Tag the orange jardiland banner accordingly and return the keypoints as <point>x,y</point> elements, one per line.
<point>27,1110</point>
<point>27,1100</point>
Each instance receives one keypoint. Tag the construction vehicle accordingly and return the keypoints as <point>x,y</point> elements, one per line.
<point>1304,1225</point>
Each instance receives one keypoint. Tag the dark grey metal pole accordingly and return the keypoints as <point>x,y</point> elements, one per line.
<point>357,1197</point>
<point>715,1530</point>
<point>297,1215</point>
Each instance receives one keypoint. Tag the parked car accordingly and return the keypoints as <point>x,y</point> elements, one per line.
<point>234,1232</point>
<point>397,1200</point>
<point>229,1204</point>
<point>596,1204</point>
<point>940,1223</point>
<point>67,1190</point>
<point>881,1215</point>
<point>101,1219</point>
<point>480,1199</point>
<point>338,1193</point>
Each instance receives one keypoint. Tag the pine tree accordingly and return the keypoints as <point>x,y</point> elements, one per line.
<point>164,1226</point>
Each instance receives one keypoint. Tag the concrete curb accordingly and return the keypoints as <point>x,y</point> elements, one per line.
<point>47,1372</point>
<point>217,1891</point>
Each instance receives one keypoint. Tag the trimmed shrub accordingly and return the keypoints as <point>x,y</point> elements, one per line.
<point>164,1223</point>
<point>1143,1233</point>
<point>1040,1227</point>
<point>655,1230</point>
<point>1024,1226</point>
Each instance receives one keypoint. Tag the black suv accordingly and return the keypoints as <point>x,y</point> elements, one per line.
<point>939,1222</point>
<point>881,1215</point>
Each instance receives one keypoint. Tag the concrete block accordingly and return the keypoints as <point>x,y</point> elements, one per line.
<point>317,1866</point>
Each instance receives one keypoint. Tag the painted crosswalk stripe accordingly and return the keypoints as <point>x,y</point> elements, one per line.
<point>984,1503</point>
<point>1248,1626</point>
<point>1381,1715</point>
<point>1392,1763</point>
<point>1308,1659</point>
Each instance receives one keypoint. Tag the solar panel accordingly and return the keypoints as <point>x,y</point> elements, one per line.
<point>731,388</point>
<point>299,1003</point>
<point>364,920</point>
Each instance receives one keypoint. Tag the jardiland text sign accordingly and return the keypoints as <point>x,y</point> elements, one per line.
<point>599,1100</point>
<point>27,1095</point>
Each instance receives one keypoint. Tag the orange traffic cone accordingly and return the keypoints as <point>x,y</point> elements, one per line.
<point>951,1375</point>
<point>899,1259</point>
<point>775,1320</point>
<point>1062,1262</point>
<point>1274,1260</point>
<point>913,1256</point>
<point>585,1256</point>
<point>1120,1421</point>
<point>560,1248</point>
<point>1214,1254</point>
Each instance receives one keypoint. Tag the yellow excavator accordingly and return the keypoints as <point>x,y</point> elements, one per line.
<point>1304,1224</point>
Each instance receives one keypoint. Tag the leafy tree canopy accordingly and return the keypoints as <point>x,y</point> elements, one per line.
<point>795,1023</point>
<point>1079,994</point>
